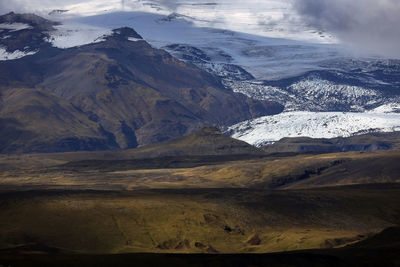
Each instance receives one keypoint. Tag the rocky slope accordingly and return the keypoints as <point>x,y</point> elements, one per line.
<point>34,120</point>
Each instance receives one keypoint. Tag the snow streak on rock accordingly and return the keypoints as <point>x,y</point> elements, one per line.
<point>4,55</point>
<point>312,95</point>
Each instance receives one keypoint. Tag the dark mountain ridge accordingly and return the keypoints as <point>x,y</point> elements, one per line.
<point>365,142</point>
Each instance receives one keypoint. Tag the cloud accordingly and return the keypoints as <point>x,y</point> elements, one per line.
<point>169,4</point>
<point>370,26</point>
<point>35,6</point>
<point>8,6</point>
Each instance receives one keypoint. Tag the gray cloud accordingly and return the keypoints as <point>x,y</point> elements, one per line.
<point>7,6</point>
<point>168,4</point>
<point>34,6</point>
<point>370,26</point>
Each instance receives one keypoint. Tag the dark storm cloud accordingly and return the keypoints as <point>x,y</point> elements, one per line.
<point>368,25</point>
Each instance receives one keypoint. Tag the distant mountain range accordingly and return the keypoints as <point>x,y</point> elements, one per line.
<point>111,89</point>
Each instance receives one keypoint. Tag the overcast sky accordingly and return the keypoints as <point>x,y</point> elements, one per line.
<point>367,25</point>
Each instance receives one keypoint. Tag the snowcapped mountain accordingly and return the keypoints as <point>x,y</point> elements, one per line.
<point>262,51</point>
<point>117,92</point>
<point>258,38</point>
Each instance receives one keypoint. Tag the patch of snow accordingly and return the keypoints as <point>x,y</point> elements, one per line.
<point>257,90</point>
<point>318,88</point>
<point>270,129</point>
<point>14,26</point>
<point>76,34</point>
<point>78,7</point>
<point>4,55</point>
<point>312,95</point>
<point>133,39</point>
<point>387,108</point>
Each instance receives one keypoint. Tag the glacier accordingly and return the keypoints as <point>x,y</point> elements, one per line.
<point>269,129</point>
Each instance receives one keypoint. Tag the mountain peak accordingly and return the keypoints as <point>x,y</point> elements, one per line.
<point>126,33</point>
<point>35,21</point>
